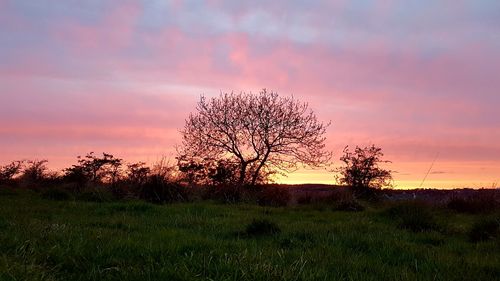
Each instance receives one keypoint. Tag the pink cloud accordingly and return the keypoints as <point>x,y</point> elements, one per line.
<point>114,33</point>
<point>128,88</point>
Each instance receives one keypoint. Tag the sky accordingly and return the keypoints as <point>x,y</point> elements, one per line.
<point>418,78</point>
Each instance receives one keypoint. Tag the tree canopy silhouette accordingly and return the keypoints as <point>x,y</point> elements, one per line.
<point>261,133</point>
<point>92,168</point>
<point>361,169</point>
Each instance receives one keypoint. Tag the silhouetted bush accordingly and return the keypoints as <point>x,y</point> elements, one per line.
<point>193,171</point>
<point>474,205</point>
<point>414,216</point>
<point>275,196</point>
<point>262,227</point>
<point>362,172</point>
<point>58,194</point>
<point>484,229</point>
<point>137,173</point>
<point>343,200</point>
<point>76,176</point>
<point>10,171</point>
<point>160,190</point>
<point>223,172</point>
<point>94,169</point>
<point>35,173</point>
<point>224,193</point>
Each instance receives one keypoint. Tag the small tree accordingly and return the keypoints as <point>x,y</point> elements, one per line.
<point>10,171</point>
<point>192,170</point>
<point>362,171</point>
<point>207,171</point>
<point>161,185</point>
<point>223,172</point>
<point>261,133</point>
<point>137,173</point>
<point>35,171</point>
<point>91,168</point>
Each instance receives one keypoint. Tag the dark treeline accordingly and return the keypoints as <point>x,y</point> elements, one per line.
<point>105,177</point>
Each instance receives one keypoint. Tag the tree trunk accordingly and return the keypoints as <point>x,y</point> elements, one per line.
<point>261,164</point>
<point>243,172</point>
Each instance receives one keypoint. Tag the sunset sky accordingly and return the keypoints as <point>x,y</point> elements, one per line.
<point>419,78</point>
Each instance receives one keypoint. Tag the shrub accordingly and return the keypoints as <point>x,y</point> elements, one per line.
<point>362,170</point>
<point>344,200</point>
<point>10,171</point>
<point>262,227</point>
<point>91,168</point>
<point>414,216</point>
<point>120,190</point>
<point>225,193</point>
<point>137,173</point>
<point>159,190</point>
<point>34,173</point>
<point>485,229</point>
<point>58,194</point>
<point>274,196</point>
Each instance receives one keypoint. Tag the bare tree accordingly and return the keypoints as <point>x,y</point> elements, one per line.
<point>362,171</point>
<point>260,133</point>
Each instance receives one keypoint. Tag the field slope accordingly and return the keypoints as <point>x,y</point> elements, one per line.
<point>43,239</point>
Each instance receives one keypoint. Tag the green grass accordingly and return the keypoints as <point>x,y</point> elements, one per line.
<point>42,239</point>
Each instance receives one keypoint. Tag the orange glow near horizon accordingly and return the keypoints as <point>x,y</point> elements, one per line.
<point>407,175</point>
<point>464,175</point>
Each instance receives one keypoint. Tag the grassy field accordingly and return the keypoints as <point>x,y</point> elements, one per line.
<point>43,239</point>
